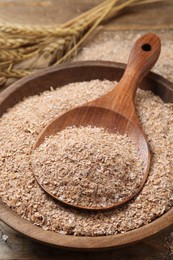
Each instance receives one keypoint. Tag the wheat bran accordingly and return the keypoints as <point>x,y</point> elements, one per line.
<point>19,128</point>
<point>88,166</point>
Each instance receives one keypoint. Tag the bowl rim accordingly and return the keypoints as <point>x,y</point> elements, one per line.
<point>26,228</point>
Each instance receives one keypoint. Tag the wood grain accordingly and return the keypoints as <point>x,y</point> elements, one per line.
<point>50,12</point>
<point>56,77</point>
<point>19,247</point>
<point>115,112</point>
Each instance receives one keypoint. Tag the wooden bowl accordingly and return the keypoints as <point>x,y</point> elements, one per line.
<point>56,77</point>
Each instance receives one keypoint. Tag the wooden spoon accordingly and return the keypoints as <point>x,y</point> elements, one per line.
<point>114,111</point>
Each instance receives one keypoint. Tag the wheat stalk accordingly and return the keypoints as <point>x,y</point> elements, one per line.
<point>43,46</point>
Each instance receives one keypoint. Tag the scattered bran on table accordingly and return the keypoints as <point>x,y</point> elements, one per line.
<point>19,128</point>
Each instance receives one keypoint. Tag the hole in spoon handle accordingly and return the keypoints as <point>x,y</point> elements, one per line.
<point>146,47</point>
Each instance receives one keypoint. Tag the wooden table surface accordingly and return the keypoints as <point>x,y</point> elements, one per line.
<point>12,244</point>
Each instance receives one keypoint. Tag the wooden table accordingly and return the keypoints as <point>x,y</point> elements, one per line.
<point>12,244</point>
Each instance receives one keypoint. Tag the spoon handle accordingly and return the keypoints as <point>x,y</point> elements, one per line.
<point>143,56</point>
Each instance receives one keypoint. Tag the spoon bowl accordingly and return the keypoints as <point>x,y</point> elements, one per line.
<point>114,111</point>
